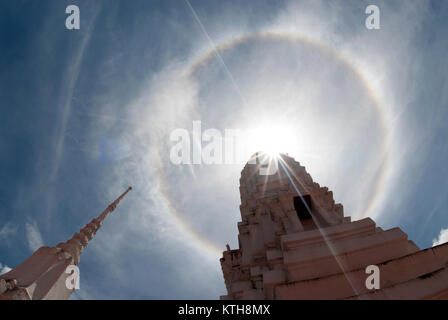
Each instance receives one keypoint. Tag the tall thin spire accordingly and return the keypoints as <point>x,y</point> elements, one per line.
<point>43,275</point>
<point>79,241</point>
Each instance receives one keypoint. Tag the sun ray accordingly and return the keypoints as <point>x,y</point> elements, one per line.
<point>288,172</point>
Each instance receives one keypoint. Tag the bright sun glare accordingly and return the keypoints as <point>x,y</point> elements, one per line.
<point>271,139</point>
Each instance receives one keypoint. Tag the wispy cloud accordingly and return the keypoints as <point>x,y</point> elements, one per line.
<point>4,268</point>
<point>33,236</point>
<point>7,230</point>
<point>443,237</point>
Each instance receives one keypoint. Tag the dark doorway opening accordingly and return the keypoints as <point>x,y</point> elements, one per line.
<point>304,208</point>
<point>302,211</point>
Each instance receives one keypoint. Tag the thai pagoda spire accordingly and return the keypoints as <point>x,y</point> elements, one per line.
<point>44,274</point>
<point>294,242</point>
<point>79,241</point>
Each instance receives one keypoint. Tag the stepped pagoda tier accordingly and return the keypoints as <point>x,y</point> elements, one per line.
<point>296,243</point>
<point>43,276</point>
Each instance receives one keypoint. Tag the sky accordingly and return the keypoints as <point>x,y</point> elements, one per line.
<point>87,113</point>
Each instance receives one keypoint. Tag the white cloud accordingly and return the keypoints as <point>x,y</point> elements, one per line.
<point>7,230</point>
<point>443,237</point>
<point>33,236</point>
<point>4,268</point>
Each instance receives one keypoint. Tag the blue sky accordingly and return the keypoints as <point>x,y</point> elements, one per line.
<point>87,112</point>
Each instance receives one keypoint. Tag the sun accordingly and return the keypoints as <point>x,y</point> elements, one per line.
<point>271,139</point>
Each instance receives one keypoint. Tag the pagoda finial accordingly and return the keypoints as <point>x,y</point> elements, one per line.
<point>44,274</point>
<point>79,241</point>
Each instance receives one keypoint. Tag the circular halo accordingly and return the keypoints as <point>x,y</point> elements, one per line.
<point>203,58</point>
